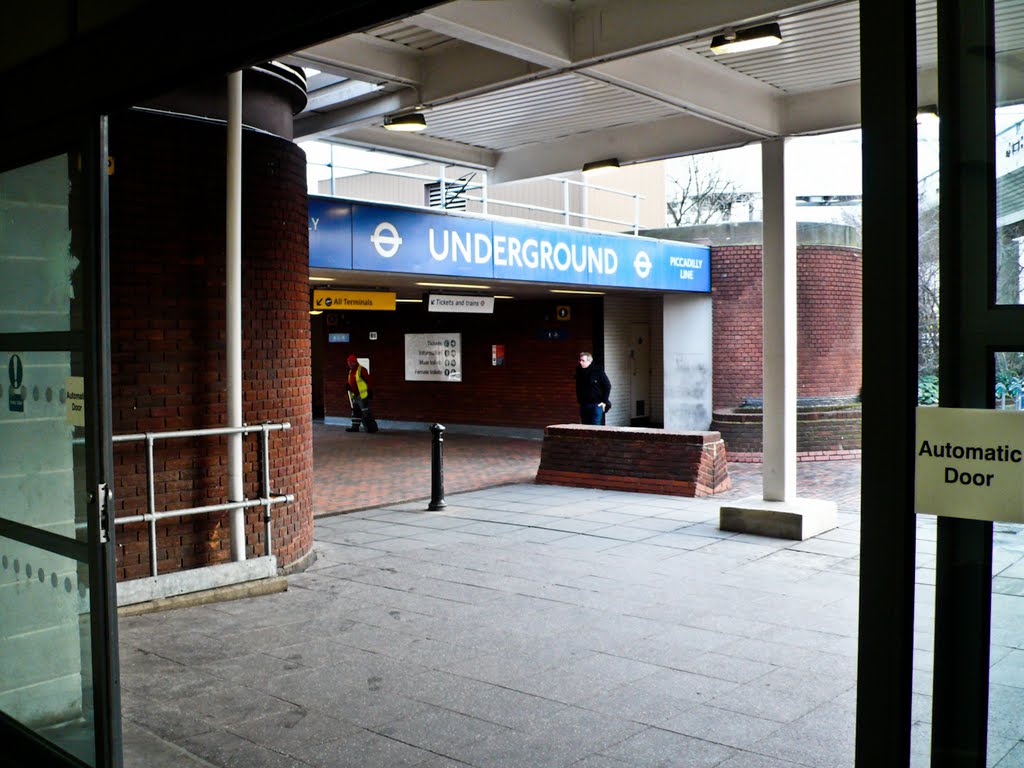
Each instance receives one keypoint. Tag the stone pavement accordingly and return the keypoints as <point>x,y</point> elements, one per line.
<point>538,626</point>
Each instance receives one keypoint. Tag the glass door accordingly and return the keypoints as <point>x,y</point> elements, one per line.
<point>59,702</point>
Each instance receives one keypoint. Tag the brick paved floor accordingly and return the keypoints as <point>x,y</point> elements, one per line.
<point>356,470</point>
<point>359,471</point>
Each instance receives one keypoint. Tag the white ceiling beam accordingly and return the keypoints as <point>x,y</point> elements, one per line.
<point>419,145</point>
<point>459,74</point>
<point>465,70</point>
<point>346,90</point>
<point>657,140</point>
<point>537,32</point>
<point>612,28</point>
<point>315,125</point>
<point>365,58</point>
<point>699,86</point>
<point>822,111</point>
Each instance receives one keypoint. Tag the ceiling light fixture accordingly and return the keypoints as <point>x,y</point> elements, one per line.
<point>316,311</point>
<point>585,293</point>
<point>504,297</point>
<point>453,285</point>
<point>321,279</point>
<point>408,123</point>
<point>601,165</point>
<point>750,39</point>
<point>409,301</point>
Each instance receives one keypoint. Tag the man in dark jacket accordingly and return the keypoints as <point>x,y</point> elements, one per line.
<point>593,390</point>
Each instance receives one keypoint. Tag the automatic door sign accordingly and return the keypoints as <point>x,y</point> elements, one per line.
<point>75,403</point>
<point>16,375</point>
<point>970,463</point>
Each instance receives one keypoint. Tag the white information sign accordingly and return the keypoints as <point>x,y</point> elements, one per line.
<point>450,303</point>
<point>970,463</point>
<point>433,357</point>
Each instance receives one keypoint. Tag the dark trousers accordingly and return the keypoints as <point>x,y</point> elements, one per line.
<point>361,415</point>
<point>591,413</point>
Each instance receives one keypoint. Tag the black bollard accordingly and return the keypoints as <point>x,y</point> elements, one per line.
<point>437,469</point>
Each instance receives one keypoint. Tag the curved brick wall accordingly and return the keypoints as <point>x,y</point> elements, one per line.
<point>168,354</point>
<point>828,322</point>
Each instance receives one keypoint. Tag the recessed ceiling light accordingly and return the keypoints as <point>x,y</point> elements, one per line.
<point>409,123</point>
<point>321,279</point>
<point>585,293</point>
<point>409,301</point>
<point>316,311</point>
<point>504,297</point>
<point>751,39</point>
<point>595,166</point>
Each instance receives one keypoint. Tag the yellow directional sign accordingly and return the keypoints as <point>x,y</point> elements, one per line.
<point>329,298</point>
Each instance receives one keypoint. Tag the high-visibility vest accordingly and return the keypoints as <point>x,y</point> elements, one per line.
<point>361,385</point>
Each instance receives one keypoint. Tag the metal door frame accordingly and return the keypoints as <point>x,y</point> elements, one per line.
<point>86,145</point>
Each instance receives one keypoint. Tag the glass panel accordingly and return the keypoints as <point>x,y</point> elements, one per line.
<point>1006,672</point>
<point>38,274</point>
<point>45,651</point>
<point>46,657</point>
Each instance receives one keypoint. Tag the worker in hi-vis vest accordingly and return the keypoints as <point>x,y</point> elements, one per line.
<point>360,391</point>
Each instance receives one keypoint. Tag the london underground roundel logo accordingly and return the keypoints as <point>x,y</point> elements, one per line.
<point>386,239</point>
<point>642,264</point>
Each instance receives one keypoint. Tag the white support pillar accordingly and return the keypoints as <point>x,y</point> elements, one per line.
<point>778,264</point>
<point>778,512</point>
<point>233,311</point>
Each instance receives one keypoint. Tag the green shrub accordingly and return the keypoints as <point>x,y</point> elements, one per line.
<point>928,390</point>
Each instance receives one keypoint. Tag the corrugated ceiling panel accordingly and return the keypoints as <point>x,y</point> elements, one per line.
<point>410,36</point>
<point>820,48</point>
<point>542,110</point>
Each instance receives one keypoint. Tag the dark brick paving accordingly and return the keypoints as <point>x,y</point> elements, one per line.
<point>358,470</point>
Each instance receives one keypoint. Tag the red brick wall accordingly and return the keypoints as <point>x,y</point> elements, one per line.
<point>634,459</point>
<point>828,322</point>
<point>168,351</point>
<point>534,388</point>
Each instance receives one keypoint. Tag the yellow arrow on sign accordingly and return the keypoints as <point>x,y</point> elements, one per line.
<point>347,300</point>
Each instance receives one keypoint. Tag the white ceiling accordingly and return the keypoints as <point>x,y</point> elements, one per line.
<point>530,87</point>
<point>526,88</point>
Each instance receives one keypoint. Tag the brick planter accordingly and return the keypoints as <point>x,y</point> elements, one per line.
<point>821,433</point>
<point>634,459</point>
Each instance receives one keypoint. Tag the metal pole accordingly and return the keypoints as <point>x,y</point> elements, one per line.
<point>437,469</point>
<point>233,311</point>
<point>151,504</point>
<point>266,493</point>
<point>636,214</point>
<point>444,203</point>
<point>565,202</point>
<point>483,187</point>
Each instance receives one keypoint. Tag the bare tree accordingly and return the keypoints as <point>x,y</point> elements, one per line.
<point>927,280</point>
<point>702,195</point>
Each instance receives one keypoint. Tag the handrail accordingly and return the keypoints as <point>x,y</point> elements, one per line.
<point>485,200</point>
<point>266,500</point>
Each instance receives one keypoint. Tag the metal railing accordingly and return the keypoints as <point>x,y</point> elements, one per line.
<point>266,500</point>
<point>567,213</point>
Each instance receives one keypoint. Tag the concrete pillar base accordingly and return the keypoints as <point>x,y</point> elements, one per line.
<point>795,519</point>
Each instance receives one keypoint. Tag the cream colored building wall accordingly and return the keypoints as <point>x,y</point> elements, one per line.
<point>646,180</point>
<point>584,196</point>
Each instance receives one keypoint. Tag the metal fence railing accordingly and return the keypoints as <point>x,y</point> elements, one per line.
<point>266,500</point>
